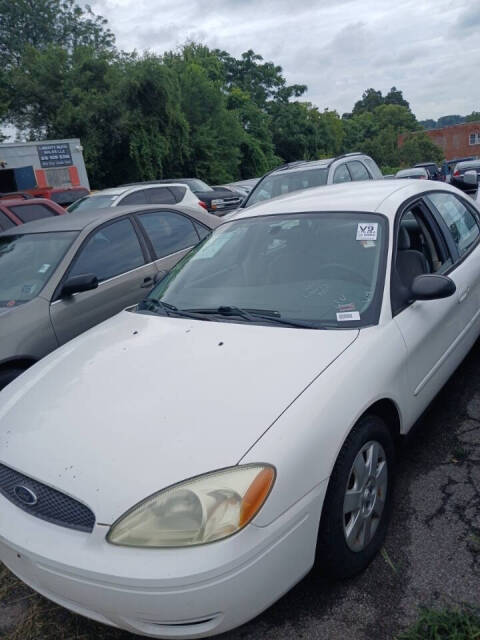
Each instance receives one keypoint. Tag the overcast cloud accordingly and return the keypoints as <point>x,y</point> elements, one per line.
<point>430,50</point>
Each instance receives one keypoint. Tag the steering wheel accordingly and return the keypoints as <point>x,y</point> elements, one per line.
<point>349,274</point>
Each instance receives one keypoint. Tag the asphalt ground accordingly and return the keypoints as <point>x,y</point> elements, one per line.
<point>431,555</point>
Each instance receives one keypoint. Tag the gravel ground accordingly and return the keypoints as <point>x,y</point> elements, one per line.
<point>431,555</point>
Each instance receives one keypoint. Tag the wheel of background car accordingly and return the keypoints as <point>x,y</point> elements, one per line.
<point>8,375</point>
<point>358,502</point>
<point>335,268</point>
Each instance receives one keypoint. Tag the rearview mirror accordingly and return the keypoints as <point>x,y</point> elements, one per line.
<point>432,286</point>
<point>470,177</point>
<point>76,284</point>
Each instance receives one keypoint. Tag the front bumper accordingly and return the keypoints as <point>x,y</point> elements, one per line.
<point>163,593</point>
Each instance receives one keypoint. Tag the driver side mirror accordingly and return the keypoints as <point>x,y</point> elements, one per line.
<point>431,286</point>
<point>76,284</point>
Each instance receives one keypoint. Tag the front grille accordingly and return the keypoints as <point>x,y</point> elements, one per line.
<point>51,505</point>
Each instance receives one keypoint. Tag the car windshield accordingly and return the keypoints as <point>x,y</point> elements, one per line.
<point>197,185</point>
<point>411,173</point>
<point>92,202</point>
<point>27,262</point>
<point>324,269</point>
<point>278,184</point>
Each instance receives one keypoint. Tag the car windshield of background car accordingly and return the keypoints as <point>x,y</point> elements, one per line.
<point>27,263</point>
<point>92,202</point>
<point>198,186</point>
<point>321,268</point>
<point>280,183</point>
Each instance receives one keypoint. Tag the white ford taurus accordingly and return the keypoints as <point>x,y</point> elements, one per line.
<point>178,468</point>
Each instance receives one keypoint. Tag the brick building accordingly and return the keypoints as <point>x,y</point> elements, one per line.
<point>457,141</point>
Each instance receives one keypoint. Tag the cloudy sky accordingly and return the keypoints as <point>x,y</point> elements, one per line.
<point>430,50</point>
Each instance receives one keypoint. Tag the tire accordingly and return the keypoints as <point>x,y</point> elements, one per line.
<point>349,540</point>
<point>8,375</point>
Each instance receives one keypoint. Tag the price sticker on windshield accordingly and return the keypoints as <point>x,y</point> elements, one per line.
<point>367,231</point>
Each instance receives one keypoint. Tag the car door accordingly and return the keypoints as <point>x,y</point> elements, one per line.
<point>460,224</point>
<point>170,234</point>
<point>115,254</point>
<point>430,328</point>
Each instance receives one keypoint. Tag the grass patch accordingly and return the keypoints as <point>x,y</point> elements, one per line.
<point>445,624</point>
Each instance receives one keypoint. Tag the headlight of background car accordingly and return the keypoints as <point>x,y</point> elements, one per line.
<point>200,510</point>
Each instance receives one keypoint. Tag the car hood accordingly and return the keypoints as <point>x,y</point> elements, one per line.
<point>141,402</point>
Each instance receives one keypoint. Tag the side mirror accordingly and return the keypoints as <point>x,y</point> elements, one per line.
<point>470,177</point>
<point>76,284</point>
<point>432,286</point>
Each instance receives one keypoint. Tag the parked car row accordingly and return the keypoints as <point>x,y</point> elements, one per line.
<point>204,448</point>
<point>62,275</point>
<point>465,174</point>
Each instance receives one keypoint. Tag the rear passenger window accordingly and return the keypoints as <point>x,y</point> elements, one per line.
<point>178,193</point>
<point>458,218</point>
<point>160,195</point>
<point>5,222</point>
<point>358,171</point>
<point>168,232</point>
<point>137,197</point>
<point>111,251</point>
<point>30,212</point>
<point>341,174</point>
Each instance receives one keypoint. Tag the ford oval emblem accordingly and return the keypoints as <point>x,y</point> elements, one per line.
<point>25,495</point>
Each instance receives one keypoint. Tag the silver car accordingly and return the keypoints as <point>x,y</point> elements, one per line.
<point>60,276</point>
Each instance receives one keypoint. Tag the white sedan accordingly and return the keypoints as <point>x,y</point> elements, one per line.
<point>178,468</point>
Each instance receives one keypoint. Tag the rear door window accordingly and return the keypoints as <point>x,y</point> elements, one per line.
<point>30,212</point>
<point>358,171</point>
<point>168,232</point>
<point>178,192</point>
<point>137,197</point>
<point>160,195</point>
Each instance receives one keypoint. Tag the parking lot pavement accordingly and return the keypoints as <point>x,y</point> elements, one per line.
<point>431,556</point>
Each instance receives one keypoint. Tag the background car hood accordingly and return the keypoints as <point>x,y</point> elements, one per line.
<point>141,402</point>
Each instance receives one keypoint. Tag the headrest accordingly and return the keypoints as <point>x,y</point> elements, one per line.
<point>403,239</point>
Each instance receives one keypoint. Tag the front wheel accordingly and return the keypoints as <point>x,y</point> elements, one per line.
<point>358,501</point>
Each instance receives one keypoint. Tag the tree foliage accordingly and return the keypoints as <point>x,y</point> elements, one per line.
<point>190,112</point>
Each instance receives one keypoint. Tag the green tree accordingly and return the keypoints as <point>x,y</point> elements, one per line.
<point>473,117</point>
<point>418,147</point>
<point>40,23</point>
<point>371,99</point>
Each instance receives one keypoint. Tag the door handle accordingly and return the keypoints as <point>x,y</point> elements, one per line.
<point>464,294</point>
<point>147,282</point>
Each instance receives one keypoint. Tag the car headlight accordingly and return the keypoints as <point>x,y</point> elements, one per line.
<point>207,508</point>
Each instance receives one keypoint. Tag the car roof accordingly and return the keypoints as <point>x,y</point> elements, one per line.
<point>82,220</point>
<point>117,191</point>
<point>20,201</point>
<point>348,196</point>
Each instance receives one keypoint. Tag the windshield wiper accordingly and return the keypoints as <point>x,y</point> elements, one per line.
<point>164,308</point>
<point>252,315</point>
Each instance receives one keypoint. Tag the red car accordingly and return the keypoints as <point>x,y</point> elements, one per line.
<point>64,196</point>
<point>15,211</point>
